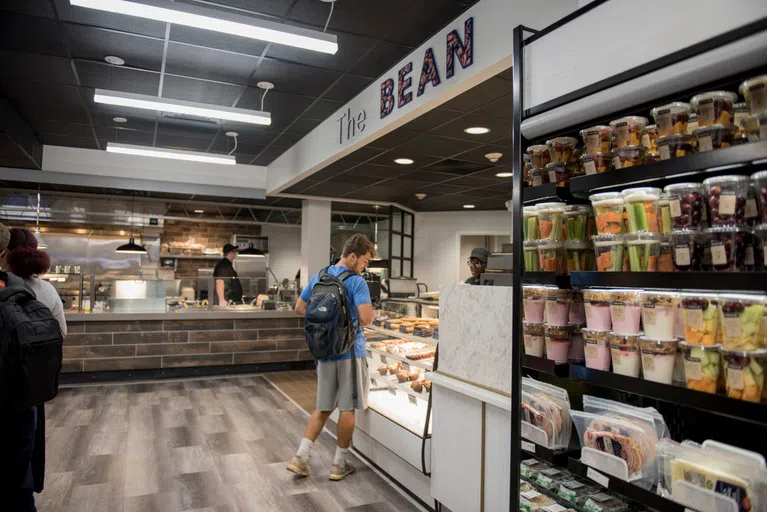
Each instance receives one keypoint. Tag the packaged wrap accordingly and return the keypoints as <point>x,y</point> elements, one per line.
<point>545,414</point>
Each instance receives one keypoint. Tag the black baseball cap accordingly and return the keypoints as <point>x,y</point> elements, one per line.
<point>229,248</point>
<point>480,253</point>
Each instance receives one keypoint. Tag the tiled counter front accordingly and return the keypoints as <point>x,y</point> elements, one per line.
<point>93,346</point>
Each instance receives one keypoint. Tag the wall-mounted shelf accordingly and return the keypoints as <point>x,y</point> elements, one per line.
<point>402,336</point>
<point>546,279</point>
<point>739,281</point>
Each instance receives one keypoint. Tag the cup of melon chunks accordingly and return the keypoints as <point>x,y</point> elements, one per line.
<point>643,250</point>
<point>701,367</point>
<point>744,373</point>
<point>740,317</point>
<point>642,205</point>
<point>608,250</point>
<point>551,220</point>
<point>608,212</point>
<point>700,312</point>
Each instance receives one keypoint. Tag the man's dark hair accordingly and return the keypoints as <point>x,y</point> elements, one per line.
<point>359,245</point>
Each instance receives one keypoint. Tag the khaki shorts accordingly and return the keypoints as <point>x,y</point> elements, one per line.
<point>335,385</point>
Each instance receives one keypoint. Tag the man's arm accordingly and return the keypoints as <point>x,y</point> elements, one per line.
<point>220,292</point>
<point>300,307</point>
<point>366,314</point>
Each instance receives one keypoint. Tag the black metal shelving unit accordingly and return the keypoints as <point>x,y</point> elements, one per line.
<point>703,415</point>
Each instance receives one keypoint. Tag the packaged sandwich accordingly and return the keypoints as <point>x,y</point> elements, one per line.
<point>708,479</point>
<point>594,404</point>
<point>545,414</point>
<point>529,468</point>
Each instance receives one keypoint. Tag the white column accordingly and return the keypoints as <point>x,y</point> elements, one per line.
<point>315,237</point>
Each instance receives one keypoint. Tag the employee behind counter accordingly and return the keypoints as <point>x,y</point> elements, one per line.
<point>477,264</point>
<point>228,286</point>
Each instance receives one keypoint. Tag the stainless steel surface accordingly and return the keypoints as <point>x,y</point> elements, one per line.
<point>252,268</point>
<point>496,279</point>
<point>403,287</point>
<point>500,261</point>
<point>96,255</point>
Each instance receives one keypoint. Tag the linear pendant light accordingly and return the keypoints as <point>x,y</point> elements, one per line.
<point>172,154</point>
<point>191,108</point>
<point>218,21</point>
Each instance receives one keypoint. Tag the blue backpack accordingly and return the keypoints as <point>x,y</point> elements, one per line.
<point>329,327</point>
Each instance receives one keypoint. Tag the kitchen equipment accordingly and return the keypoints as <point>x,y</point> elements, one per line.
<point>403,287</point>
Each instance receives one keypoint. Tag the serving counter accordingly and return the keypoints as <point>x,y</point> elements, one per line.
<point>161,343</point>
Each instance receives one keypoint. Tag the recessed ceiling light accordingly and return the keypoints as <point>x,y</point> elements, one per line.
<point>216,21</point>
<point>504,175</point>
<point>403,161</point>
<point>119,120</point>
<point>114,60</point>
<point>468,206</point>
<point>199,211</point>
<point>477,130</point>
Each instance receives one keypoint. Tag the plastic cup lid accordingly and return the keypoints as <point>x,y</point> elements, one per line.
<point>761,175</point>
<point>567,141</point>
<point>537,148</point>
<point>745,87</point>
<point>703,130</point>
<point>608,239</point>
<point>719,180</point>
<point>674,108</point>
<point>550,207</point>
<point>629,119</point>
<point>675,138</point>
<point>724,95</point>
<point>683,187</point>
<point>597,128</point>
<point>643,238</point>
<point>726,229</point>
<point>603,196</point>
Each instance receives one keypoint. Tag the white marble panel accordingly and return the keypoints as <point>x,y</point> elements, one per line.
<point>475,334</point>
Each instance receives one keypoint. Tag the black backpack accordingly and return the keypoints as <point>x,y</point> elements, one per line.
<point>329,328</point>
<point>30,347</point>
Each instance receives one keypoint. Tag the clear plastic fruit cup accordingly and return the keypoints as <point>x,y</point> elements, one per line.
<point>744,373</point>
<point>649,134</point>
<point>741,112</point>
<point>658,359</point>
<point>702,367</point>
<point>700,312</point>
<point>754,90</point>
<point>596,303</point>
<point>551,218</point>
<point>539,177</point>
<point>624,349</point>
<point>715,107</point>
<point>727,246</point>
<point>561,149</point>
<point>557,340</point>
<point>760,255</point>
<point>628,130</point>
<point>692,123</point>
<point>726,197</point>
<point>752,206</point>
<point>597,139</point>
<point>530,223</point>
<point>671,118</point>
<point>558,306</point>
<point>714,137</point>
<point>597,349</point>
<point>551,256</point>
<point>686,204</point>
<point>675,146</point>
<point>688,247</point>
<point>608,252</point>
<point>534,301</point>
<point>666,255</point>
<point>740,316</point>
<point>659,312</point>
<point>597,163</point>
<point>532,261</point>
<point>559,173</point>
<point>534,342</point>
<point>625,311</point>
<point>755,127</point>
<point>539,156</point>
<point>629,156</point>
<point>608,212</point>
<point>643,250</point>
<point>759,179</point>
<point>579,256</point>
<point>642,209</point>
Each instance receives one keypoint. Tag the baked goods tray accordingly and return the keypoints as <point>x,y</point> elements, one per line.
<point>402,336</point>
<point>426,364</point>
<point>390,384</point>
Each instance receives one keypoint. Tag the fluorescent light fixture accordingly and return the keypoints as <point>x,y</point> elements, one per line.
<point>504,175</point>
<point>403,161</point>
<point>173,154</point>
<point>468,206</point>
<point>477,130</point>
<point>217,21</point>
<point>199,211</point>
<point>190,108</point>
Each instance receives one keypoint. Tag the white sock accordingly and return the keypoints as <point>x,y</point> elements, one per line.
<point>340,458</point>
<point>304,449</point>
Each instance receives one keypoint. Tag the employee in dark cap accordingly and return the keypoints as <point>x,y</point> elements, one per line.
<point>477,264</point>
<point>228,286</point>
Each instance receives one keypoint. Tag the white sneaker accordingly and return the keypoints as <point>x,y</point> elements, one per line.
<point>338,473</point>
<point>299,466</point>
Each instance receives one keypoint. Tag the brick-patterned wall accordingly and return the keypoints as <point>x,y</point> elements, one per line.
<point>209,234</point>
<point>104,346</point>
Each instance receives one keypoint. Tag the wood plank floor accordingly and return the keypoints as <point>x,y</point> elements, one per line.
<point>214,445</point>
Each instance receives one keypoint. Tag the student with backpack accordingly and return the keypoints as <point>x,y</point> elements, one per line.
<point>31,341</point>
<point>336,304</point>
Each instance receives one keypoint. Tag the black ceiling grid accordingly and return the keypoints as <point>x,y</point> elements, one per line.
<point>52,59</point>
<point>450,165</point>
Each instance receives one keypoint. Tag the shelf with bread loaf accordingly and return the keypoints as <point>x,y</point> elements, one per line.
<point>400,402</point>
<point>408,354</point>
<point>396,333</point>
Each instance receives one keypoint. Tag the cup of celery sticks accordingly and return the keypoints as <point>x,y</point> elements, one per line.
<point>577,222</point>
<point>608,250</point>
<point>530,224</point>
<point>531,256</point>
<point>551,220</point>
<point>643,249</point>
<point>642,209</point>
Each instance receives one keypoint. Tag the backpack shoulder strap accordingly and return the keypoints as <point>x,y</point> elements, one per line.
<point>346,274</point>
